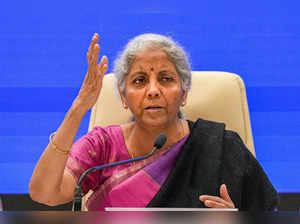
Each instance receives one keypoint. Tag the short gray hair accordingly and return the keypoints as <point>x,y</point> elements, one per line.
<point>174,51</point>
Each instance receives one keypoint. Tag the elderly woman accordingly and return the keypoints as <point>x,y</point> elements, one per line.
<point>201,164</point>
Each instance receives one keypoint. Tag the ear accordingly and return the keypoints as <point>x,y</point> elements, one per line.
<point>184,98</point>
<point>123,97</point>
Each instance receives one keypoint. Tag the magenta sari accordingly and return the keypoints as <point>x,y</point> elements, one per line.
<point>130,185</point>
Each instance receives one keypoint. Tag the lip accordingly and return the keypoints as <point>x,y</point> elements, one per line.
<point>153,108</point>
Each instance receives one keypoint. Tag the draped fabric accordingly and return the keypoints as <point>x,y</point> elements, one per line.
<point>212,156</point>
<point>198,164</point>
<point>129,185</point>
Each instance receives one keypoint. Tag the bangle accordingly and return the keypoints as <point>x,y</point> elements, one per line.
<point>55,146</point>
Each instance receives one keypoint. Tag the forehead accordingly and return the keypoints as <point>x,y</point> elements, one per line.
<point>151,57</point>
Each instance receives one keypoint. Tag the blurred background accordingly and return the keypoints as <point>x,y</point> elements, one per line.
<point>43,47</point>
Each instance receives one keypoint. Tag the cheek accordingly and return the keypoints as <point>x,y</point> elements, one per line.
<point>174,99</point>
<point>176,95</point>
<point>135,99</point>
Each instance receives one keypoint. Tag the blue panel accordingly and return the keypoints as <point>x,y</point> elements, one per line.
<point>35,124</point>
<point>22,149</point>
<point>282,124</point>
<point>278,148</point>
<point>284,175</point>
<point>59,99</point>
<point>43,62</point>
<point>16,178</point>
<point>267,99</point>
<point>37,99</point>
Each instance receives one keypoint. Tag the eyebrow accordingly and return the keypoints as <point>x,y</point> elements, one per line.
<point>134,75</point>
<point>166,71</point>
<point>159,73</point>
<point>163,71</point>
<point>140,73</point>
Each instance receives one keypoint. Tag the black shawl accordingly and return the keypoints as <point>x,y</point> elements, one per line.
<point>210,157</point>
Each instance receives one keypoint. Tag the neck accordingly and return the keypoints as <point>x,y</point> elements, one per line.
<point>139,139</point>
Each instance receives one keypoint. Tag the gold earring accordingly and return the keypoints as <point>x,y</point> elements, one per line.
<point>183,104</point>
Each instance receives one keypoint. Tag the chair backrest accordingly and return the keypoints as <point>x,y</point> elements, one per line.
<point>216,96</point>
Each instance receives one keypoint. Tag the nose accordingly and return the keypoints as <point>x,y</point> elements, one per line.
<point>153,89</point>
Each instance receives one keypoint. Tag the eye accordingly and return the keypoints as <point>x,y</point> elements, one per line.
<point>167,78</point>
<point>139,80</point>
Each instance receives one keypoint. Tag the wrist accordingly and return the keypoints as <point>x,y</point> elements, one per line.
<point>77,110</point>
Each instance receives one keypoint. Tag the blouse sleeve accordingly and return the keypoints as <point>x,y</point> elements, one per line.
<point>89,151</point>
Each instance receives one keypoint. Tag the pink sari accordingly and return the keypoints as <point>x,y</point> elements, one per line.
<point>129,185</point>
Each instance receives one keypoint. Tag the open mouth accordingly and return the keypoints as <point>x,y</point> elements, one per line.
<point>153,108</point>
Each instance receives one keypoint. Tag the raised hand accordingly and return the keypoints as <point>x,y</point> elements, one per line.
<point>92,84</point>
<point>224,201</point>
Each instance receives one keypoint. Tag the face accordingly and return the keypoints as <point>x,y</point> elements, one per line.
<point>153,90</point>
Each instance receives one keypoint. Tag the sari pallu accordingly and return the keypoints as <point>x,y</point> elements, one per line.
<point>136,185</point>
<point>212,156</point>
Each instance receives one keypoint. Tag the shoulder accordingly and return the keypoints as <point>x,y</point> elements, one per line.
<point>216,130</point>
<point>104,134</point>
<point>108,129</point>
<point>226,143</point>
<point>234,146</point>
<point>231,139</point>
<point>97,140</point>
<point>206,129</point>
<point>205,126</point>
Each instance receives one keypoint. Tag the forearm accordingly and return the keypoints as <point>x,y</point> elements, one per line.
<point>46,181</point>
<point>49,184</point>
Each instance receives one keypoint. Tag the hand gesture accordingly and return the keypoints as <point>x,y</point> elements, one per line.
<point>92,84</point>
<point>224,201</point>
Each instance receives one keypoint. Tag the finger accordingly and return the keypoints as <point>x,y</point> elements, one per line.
<point>214,204</point>
<point>94,40</point>
<point>95,54</point>
<point>224,193</point>
<point>217,200</point>
<point>204,198</point>
<point>92,65</point>
<point>103,70</point>
<point>103,63</point>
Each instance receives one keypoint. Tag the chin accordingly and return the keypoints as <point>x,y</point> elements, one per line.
<point>159,122</point>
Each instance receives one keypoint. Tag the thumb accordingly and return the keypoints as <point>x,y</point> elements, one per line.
<point>224,193</point>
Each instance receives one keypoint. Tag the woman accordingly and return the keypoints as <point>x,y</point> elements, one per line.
<point>201,164</point>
